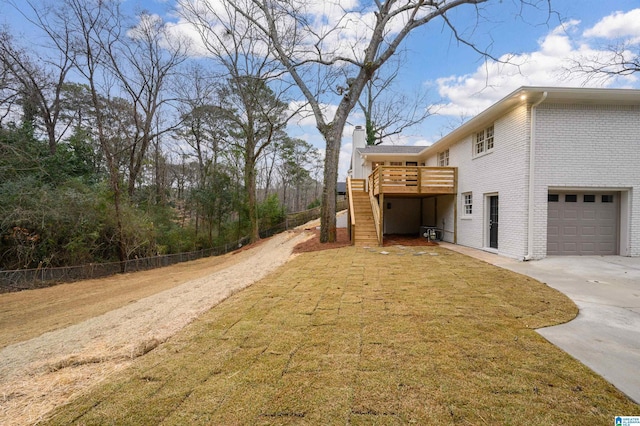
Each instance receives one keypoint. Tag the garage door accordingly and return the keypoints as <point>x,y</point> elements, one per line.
<point>582,223</point>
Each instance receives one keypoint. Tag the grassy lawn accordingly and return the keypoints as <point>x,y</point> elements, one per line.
<point>421,335</point>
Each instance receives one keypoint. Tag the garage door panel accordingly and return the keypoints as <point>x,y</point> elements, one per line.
<point>607,230</point>
<point>607,215</point>
<point>606,247</point>
<point>584,225</point>
<point>588,248</point>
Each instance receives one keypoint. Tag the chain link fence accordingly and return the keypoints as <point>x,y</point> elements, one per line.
<point>25,279</point>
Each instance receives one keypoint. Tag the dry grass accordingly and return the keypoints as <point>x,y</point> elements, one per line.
<point>421,335</point>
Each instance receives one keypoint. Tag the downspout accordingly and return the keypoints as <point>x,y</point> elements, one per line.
<point>532,168</point>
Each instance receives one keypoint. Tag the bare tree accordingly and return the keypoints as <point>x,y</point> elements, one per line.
<point>135,58</point>
<point>259,113</point>
<point>315,55</point>
<point>388,112</point>
<point>202,124</point>
<point>40,77</point>
<point>90,24</point>
<point>203,128</point>
<point>257,119</point>
<point>617,60</point>
<point>143,59</point>
<point>9,91</point>
<point>295,156</point>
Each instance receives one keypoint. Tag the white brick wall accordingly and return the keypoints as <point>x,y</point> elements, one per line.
<point>587,146</point>
<point>503,172</point>
<point>577,146</point>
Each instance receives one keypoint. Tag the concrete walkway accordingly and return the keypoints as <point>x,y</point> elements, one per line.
<point>605,336</point>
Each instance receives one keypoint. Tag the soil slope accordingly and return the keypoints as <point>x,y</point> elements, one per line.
<point>58,341</point>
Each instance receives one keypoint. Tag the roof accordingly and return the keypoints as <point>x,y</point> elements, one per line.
<point>534,95</point>
<point>341,187</point>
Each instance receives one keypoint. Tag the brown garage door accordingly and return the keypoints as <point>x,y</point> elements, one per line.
<point>582,223</point>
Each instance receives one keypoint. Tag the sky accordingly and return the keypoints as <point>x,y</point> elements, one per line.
<point>459,82</point>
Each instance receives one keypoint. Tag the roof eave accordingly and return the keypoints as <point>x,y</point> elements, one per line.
<point>529,94</point>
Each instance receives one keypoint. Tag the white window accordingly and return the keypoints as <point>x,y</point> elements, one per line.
<point>483,141</point>
<point>489,138</point>
<point>467,199</point>
<point>443,158</point>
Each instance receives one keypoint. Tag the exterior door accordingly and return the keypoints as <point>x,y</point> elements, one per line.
<point>583,223</point>
<point>493,221</point>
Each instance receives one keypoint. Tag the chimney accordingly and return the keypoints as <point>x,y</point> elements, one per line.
<point>359,138</point>
<point>358,141</point>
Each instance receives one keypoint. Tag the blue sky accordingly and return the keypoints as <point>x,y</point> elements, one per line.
<point>459,81</point>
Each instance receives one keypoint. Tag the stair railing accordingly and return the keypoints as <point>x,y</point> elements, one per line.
<point>375,209</point>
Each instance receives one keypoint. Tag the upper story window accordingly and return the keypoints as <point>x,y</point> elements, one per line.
<point>395,163</point>
<point>483,141</point>
<point>443,158</point>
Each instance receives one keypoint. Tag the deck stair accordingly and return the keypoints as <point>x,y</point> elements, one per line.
<point>365,229</point>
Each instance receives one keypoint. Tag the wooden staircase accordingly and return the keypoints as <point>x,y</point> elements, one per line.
<point>365,228</point>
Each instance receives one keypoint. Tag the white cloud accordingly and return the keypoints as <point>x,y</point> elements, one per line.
<point>184,30</point>
<point>339,28</point>
<point>617,25</point>
<point>470,94</point>
<point>304,115</point>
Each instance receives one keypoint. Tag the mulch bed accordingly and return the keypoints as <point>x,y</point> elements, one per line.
<point>314,244</point>
<point>407,240</point>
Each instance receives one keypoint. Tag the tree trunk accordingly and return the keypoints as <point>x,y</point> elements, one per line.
<point>160,199</point>
<point>252,204</point>
<point>51,136</point>
<point>122,251</point>
<point>332,136</point>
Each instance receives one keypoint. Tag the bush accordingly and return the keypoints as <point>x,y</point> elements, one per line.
<point>271,212</point>
<point>315,203</point>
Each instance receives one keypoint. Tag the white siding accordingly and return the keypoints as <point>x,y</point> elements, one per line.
<point>446,215</point>
<point>577,147</point>
<point>504,171</point>
<point>584,146</point>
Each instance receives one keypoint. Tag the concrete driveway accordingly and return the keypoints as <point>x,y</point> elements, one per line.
<point>605,335</point>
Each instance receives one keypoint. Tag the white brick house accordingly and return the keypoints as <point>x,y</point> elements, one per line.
<point>542,171</point>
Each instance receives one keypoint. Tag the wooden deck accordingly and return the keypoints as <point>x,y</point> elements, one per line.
<point>366,221</point>
<point>413,180</point>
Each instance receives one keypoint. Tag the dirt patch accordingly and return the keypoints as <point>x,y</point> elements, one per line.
<point>30,313</point>
<point>60,341</point>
